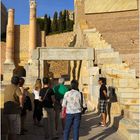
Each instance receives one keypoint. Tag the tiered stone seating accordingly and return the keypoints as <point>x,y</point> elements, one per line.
<point>120,76</point>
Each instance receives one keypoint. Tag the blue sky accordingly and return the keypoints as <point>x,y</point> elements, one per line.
<point>43,6</point>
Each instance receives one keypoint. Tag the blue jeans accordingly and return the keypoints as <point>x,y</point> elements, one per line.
<point>72,119</point>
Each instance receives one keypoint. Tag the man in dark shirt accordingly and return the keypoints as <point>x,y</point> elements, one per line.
<point>103,100</point>
<point>48,99</point>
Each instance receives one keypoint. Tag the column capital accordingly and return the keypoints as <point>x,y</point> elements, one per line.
<point>33,4</point>
<point>11,10</point>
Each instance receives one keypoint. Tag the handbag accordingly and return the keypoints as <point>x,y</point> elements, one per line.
<point>42,100</point>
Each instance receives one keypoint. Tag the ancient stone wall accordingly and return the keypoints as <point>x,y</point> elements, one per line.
<point>98,6</point>
<point>21,43</point>
<point>59,40</point>
<point>120,29</point>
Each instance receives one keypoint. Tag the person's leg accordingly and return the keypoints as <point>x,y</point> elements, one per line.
<point>23,118</point>
<point>34,114</point>
<point>104,118</point>
<point>69,121</point>
<point>45,123</point>
<point>59,125</point>
<point>38,111</point>
<point>63,120</point>
<point>51,122</point>
<point>14,126</point>
<point>104,113</point>
<point>56,118</point>
<point>76,125</point>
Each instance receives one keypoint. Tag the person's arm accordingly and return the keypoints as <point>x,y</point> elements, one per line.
<point>64,104</point>
<point>21,101</point>
<point>105,93</point>
<point>20,95</point>
<point>84,103</point>
<point>40,95</point>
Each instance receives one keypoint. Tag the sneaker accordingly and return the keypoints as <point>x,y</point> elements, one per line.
<point>100,123</point>
<point>103,125</point>
<point>55,138</point>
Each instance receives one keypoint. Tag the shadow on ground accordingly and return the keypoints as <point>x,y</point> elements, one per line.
<point>90,127</point>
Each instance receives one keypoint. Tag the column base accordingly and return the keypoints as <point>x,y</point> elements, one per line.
<point>8,72</point>
<point>9,61</point>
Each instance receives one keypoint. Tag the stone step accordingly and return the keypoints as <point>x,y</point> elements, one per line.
<point>127,89</point>
<point>122,66</point>
<point>89,30</point>
<point>97,42</point>
<point>109,58</point>
<point>129,101</point>
<point>112,55</point>
<point>131,114</point>
<point>133,134</point>
<point>126,82</point>
<point>107,47</point>
<point>93,37</point>
<point>103,50</point>
<point>128,95</point>
<point>137,121</point>
<point>129,129</point>
<point>132,107</point>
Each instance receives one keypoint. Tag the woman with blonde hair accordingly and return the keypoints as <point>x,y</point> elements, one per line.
<point>37,115</point>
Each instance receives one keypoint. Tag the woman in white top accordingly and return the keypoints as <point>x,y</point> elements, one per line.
<point>37,115</point>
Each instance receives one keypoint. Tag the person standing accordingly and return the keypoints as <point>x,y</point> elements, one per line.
<point>103,101</point>
<point>72,102</point>
<point>13,104</point>
<point>59,91</point>
<point>48,100</point>
<point>23,111</point>
<point>37,115</point>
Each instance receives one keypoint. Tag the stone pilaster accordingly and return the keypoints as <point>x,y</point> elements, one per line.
<point>32,29</point>
<point>10,38</point>
<point>43,39</point>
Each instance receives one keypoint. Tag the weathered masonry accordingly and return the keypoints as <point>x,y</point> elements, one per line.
<point>105,42</point>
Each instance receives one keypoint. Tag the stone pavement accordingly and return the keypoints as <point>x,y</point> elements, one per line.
<point>89,130</point>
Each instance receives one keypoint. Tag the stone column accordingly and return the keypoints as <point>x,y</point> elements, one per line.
<point>10,38</point>
<point>32,29</point>
<point>43,39</point>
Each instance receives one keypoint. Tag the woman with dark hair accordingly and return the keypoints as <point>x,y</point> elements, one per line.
<point>72,102</point>
<point>37,115</point>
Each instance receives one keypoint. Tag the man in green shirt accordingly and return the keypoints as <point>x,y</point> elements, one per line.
<point>59,91</point>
